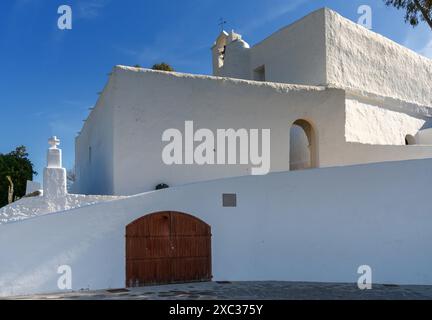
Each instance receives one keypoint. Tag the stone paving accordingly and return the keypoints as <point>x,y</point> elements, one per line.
<point>265,290</point>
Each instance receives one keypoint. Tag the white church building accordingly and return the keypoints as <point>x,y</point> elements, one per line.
<point>343,181</point>
<point>344,85</point>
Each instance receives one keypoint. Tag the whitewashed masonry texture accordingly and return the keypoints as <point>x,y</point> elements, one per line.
<point>349,88</point>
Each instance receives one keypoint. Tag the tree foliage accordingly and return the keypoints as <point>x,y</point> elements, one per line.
<point>162,67</point>
<point>19,168</point>
<point>70,178</point>
<point>415,10</point>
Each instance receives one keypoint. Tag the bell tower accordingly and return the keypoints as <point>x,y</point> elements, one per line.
<point>218,52</point>
<point>231,56</point>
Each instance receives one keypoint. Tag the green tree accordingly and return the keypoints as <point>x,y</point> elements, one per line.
<point>17,166</point>
<point>162,67</point>
<point>415,10</point>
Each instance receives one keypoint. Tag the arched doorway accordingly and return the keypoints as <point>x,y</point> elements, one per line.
<point>409,140</point>
<point>303,146</point>
<point>167,247</point>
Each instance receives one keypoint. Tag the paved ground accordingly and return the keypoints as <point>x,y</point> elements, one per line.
<point>249,291</point>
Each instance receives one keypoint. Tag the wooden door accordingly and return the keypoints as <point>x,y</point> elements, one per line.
<point>167,247</point>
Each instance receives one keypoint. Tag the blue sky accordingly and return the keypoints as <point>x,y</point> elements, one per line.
<point>50,77</point>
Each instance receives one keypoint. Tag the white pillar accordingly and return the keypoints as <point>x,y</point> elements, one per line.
<point>54,185</point>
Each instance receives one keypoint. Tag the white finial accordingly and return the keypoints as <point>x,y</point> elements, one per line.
<point>53,142</point>
<point>54,184</point>
<point>54,158</point>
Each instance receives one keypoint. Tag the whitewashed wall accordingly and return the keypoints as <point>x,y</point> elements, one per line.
<point>357,153</point>
<point>294,54</point>
<point>95,175</point>
<point>324,48</point>
<point>424,137</point>
<point>310,225</point>
<point>361,59</point>
<point>373,124</point>
<point>125,131</point>
<point>162,101</point>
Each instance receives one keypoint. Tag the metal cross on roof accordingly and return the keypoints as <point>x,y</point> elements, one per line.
<point>53,142</point>
<point>222,23</point>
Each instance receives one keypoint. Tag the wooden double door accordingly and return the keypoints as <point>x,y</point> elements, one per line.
<point>167,247</point>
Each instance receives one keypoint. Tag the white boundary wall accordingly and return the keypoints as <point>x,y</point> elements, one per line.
<point>310,225</point>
